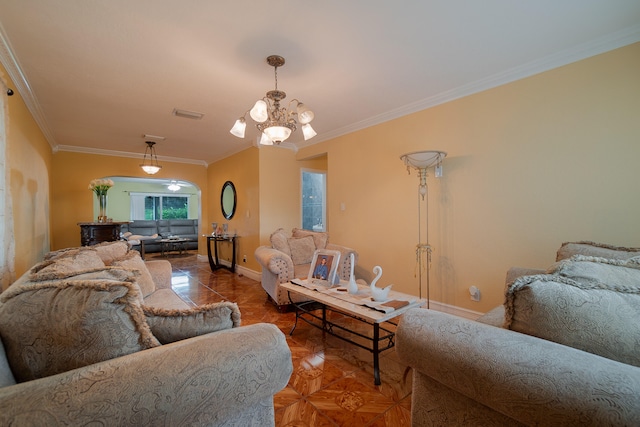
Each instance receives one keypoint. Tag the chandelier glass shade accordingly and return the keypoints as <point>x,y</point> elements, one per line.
<point>276,123</point>
<point>151,165</point>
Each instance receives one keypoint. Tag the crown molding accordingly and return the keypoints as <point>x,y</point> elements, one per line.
<point>582,51</point>
<point>102,152</point>
<point>18,78</point>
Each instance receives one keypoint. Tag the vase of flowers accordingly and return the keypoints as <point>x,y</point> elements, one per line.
<point>100,187</point>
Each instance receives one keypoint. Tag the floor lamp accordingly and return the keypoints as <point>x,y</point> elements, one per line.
<point>422,161</point>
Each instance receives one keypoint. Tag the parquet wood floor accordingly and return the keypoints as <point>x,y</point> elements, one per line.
<point>332,382</point>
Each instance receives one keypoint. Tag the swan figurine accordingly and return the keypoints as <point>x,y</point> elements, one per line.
<point>379,294</point>
<point>352,286</point>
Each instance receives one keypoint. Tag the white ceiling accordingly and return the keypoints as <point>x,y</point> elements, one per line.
<point>98,75</point>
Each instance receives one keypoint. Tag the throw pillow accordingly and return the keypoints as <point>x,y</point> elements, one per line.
<point>607,273</point>
<point>55,326</point>
<point>66,264</point>
<point>320,238</point>
<point>302,250</point>
<point>133,261</point>
<point>110,251</point>
<point>568,249</point>
<point>174,325</point>
<point>590,317</point>
<point>279,241</point>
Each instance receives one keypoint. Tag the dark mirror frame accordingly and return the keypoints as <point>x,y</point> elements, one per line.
<point>228,211</point>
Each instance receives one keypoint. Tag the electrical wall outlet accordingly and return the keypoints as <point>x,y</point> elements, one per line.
<point>244,258</point>
<point>475,293</point>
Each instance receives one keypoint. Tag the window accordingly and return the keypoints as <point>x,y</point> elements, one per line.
<point>314,200</point>
<point>158,206</point>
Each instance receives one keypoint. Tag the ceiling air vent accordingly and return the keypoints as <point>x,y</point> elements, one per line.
<point>187,114</point>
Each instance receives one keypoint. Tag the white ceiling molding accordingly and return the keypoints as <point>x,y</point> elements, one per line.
<point>75,149</point>
<point>586,50</point>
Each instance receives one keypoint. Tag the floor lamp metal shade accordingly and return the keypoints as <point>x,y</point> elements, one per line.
<point>421,161</point>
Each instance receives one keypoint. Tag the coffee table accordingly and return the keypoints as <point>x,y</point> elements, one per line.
<point>337,300</point>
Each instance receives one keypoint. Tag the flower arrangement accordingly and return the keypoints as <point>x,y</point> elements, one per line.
<point>100,186</point>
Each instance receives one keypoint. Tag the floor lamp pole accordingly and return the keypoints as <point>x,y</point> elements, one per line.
<point>421,161</point>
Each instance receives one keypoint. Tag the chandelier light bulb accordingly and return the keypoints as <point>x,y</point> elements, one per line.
<point>308,132</point>
<point>259,111</point>
<point>239,128</point>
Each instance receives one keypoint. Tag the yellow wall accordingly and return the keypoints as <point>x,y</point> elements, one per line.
<point>29,164</point>
<point>73,202</point>
<point>242,170</point>
<point>531,164</point>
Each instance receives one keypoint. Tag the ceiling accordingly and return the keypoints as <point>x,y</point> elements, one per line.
<point>98,75</point>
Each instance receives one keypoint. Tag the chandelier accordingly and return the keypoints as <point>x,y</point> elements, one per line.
<point>273,121</point>
<point>151,166</point>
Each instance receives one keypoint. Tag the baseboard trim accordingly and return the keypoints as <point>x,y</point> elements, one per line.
<point>456,311</point>
<point>240,270</point>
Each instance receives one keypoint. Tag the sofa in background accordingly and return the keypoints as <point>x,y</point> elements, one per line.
<point>95,335</point>
<point>563,350</point>
<point>290,256</point>
<point>151,230</point>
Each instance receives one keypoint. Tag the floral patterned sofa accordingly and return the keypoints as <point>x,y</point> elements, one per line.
<point>563,350</point>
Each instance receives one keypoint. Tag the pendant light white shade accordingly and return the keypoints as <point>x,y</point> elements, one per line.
<point>277,134</point>
<point>308,131</point>
<point>259,111</point>
<point>239,128</point>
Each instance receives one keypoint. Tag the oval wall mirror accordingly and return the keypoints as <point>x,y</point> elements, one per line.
<point>228,200</point>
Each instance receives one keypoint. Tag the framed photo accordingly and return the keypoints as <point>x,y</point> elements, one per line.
<point>324,267</point>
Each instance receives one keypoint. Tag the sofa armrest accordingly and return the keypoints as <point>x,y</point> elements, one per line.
<point>344,270</point>
<point>528,379</point>
<point>206,380</point>
<point>160,271</point>
<point>276,262</point>
<point>514,272</point>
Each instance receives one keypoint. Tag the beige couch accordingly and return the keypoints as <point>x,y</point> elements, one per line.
<point>563,350</point>
<point>96,336</point>
<point>290,256</point>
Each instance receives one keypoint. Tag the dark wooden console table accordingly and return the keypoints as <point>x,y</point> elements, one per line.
<point>92,233</point>
<point>215,263</point>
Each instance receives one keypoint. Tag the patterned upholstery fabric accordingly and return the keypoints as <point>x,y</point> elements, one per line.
<point>278,265</point>
<point>90,329</point>
<point>227,378</point>
<point>475,373</point>
<point>506,378</point>
<point>174,325</point>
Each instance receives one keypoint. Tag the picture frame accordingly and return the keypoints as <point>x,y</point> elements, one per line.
<point>324,268</point>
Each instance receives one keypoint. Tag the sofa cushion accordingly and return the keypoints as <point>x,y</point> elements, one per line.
<point>174,325</point>
<point>110,251</point>
<point>568,249</point>
<point>595,317</point>
<point>607,273</point>
<point>133,261</point>
<point>302,249</point>
<point>54,326</point>
<point>280,241</point>
<point>320,238</point>
<point>66,264</point>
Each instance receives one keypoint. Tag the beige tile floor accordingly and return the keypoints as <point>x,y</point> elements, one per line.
<point>332,382</point>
